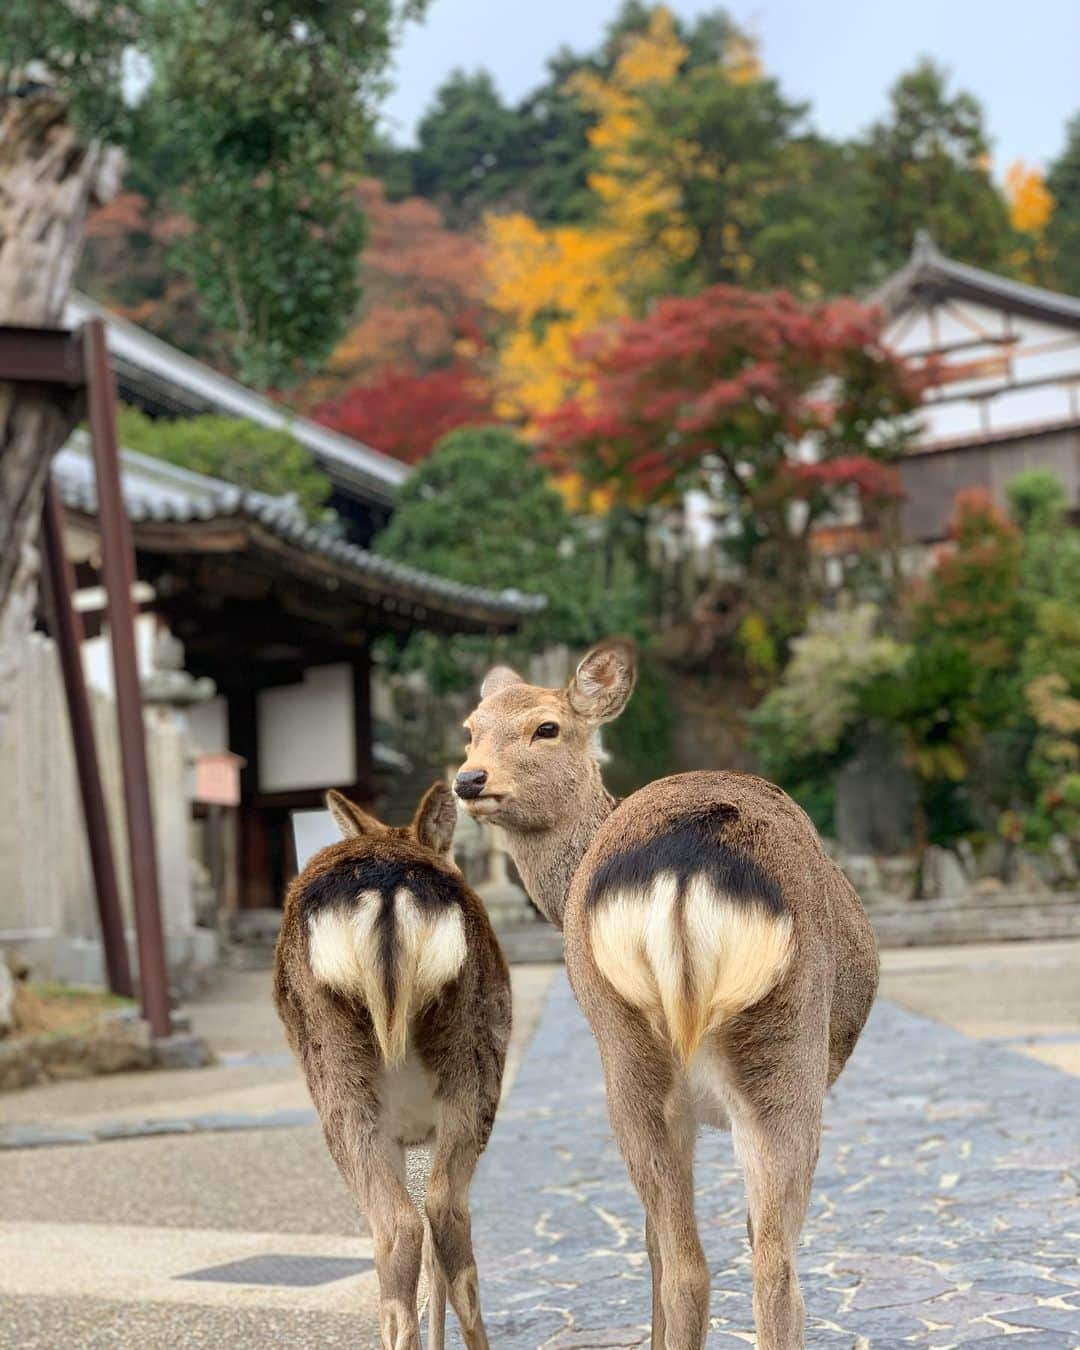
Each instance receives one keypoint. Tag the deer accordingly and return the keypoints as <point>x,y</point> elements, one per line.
<point>395,998</point>
<point>723,961</point>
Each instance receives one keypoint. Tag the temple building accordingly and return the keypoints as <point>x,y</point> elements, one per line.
<point>1003,365</point>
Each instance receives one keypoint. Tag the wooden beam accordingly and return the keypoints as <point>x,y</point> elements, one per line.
<point>362,729</point>
<point>41,356</point>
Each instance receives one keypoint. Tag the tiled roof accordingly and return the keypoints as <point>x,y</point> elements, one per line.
<point>157,492</point>
<point>145,366</point>
<point>929,270</point>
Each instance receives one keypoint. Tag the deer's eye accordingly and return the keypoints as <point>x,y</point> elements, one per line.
<point>546,731</point>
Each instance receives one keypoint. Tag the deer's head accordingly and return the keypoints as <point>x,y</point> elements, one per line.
<point>531,750</point>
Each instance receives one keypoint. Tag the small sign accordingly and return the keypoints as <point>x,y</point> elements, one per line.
<point>217,778</point>
<point>312,830</point>
<point>995,366</point>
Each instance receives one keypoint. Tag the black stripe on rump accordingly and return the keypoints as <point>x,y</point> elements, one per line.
<point>343,884</point>
<point>689,850</point>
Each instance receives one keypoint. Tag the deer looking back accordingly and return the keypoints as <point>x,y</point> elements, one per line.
<point>724,963</point>
<point>395,997</point>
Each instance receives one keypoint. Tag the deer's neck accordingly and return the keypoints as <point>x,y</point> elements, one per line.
<point>548,859</point>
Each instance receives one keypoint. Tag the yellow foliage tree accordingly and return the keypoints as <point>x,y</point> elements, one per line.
<point>552,285</point>
<point>1031,204</point>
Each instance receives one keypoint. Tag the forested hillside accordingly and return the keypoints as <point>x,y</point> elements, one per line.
<point>665,160</point>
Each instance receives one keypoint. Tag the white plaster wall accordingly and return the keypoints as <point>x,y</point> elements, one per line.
<point>97,654</point>
<point>307,732</point>
<point>1007,410</point>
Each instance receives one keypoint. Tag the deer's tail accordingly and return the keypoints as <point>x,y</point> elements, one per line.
<point>692,944</point>
<point>392,952</point>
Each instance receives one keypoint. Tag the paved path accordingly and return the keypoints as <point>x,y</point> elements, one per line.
<point>944,1210</point>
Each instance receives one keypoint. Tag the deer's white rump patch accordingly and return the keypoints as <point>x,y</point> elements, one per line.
<point>429,951</point>
<point>688,962</point>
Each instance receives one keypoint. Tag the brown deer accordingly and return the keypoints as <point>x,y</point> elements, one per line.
<point>725,964</point>
<point>395,997</point>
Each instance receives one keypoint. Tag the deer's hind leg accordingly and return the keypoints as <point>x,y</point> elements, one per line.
<point>373,1168</point>
<point>777,1133</point>
<point>456,1154</point>
<point>652,1116</point>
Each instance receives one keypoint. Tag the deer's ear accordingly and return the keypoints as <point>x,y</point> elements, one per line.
<point>348,817</point>
<point>498,677</point>
<point>604,680</point>
<point>435,819</point>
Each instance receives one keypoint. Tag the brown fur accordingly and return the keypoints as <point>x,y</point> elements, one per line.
<point>685,1036</point>
<point>457,1038</point>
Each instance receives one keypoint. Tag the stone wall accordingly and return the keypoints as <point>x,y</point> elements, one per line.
<point>48,911</point>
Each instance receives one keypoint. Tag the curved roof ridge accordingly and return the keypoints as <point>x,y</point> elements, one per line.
<point>928,269</point>
<point>181,496</point>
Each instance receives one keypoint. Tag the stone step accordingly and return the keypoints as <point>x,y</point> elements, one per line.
<point>918,927</point>
<point>982,900</point>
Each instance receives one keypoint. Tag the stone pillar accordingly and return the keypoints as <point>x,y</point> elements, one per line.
<point>504,900</point>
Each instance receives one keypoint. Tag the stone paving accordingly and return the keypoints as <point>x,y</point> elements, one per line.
<point>944,1210</point>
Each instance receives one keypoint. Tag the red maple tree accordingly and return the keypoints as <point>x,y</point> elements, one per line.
<point>769,401</point>
<point>404,413</point>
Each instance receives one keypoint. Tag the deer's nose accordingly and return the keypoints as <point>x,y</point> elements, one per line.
<point>470,783</point>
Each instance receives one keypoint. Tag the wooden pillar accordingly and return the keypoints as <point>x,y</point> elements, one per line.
<point>255,869</point>
<point>118,566</point>
<point>66,629</point>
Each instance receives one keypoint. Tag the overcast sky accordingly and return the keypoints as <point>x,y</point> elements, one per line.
<point>1020,57</point>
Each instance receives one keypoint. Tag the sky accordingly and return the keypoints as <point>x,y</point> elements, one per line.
<point>1021,58</point>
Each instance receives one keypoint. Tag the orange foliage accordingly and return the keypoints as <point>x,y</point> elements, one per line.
<point>423,300</point>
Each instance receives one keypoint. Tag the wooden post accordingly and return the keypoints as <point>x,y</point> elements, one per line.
<point>118,566</point>
<point>66,629</point>
<point>256,889</point>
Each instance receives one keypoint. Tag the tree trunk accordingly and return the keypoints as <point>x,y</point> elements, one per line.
<point>49,180</point>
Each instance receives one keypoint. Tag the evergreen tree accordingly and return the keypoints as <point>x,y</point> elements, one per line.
<point>1063,231</point>
<point>927,167</point>
<point>466,157</point>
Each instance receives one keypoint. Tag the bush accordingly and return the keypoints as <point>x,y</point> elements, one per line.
<point>237,451</point>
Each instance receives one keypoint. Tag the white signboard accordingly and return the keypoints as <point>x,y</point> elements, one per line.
<point>312,830</point>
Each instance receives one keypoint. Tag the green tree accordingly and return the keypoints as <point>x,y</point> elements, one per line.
<point>239,452</point>
<point>264,109</point>
<point>927,166</point>
<point>1063,231</point>
<point>468,144</point>
<point>262,112</point>
<point>554,155</point>
<point>1050,661</point>
<point>479,510</point>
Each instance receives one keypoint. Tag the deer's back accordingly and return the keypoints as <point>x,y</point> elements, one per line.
<point>392,987</point>
<point>758,852</point>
